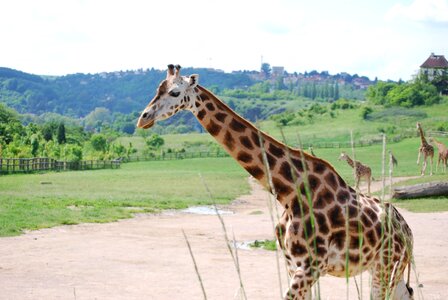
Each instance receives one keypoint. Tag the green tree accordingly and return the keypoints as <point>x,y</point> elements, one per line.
<point>34,145</point>
<point>49,130</point>
<point>97,118</point>
<point>155,141</point>
<point>61,133</point>
<point>266,70</point>
<point>365,112</point>
<point>98,142</point>
<point>377,94</point>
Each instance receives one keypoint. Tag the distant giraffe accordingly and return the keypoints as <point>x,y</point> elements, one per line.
<point>426,149</point>
<point>443,153</point>
<point>393,159</point>
<point>361,170</point>
<point>338,232</point>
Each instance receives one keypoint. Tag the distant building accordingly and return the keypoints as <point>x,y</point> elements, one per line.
<point>277,71</point>
<point>435,65</point>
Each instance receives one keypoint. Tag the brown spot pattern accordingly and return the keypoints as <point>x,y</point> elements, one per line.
<point>255,138</point>
<point>319,167</point>
<point>276,151</point>
<point>255,171</point>
<point>336,217</point>
<point>280,187</point>
<point>285,171</point>
<point>213,128</point>
<point>244,157</point>
<point>338,238</point>
<point>210,106</point>
<point>221,117</point>
<point>322,223</point>
<point>330,178</point>
<point>201,114</point>
<point>237,126</point>
<point>246,142</point>
<point>229,141</point>
<point>342,196</point>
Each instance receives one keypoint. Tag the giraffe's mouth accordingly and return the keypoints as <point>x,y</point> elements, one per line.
<point>148,125</point>
<point>141,124</point>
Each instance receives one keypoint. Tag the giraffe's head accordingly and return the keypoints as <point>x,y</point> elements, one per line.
<point>175,93</point>
<point>418,125</point>
<point>343,156</point>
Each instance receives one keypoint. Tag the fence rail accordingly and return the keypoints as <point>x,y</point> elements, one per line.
<point>28,165</point>
<point>178,155</point>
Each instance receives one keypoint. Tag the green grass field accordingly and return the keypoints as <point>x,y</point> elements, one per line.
<point>36,201</point>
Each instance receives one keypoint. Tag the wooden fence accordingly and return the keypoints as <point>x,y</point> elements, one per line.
<point>222,153</point>
<point>178,155</point>
<point>28,165</point>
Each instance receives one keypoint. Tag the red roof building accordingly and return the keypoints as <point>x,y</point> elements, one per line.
<point>435,65</point>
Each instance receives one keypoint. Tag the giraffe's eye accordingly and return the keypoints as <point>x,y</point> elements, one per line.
<point>174,94</point>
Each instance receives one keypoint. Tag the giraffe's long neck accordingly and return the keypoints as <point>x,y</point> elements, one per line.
<point>422,136</point>
<point>440,146</point>
<point>238,137</point>
<point>350,161</point>
<point>241,140</point>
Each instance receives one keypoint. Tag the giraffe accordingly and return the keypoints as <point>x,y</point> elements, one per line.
<point>361,170</point>
<point>316,232</point>
<point>393,159</point>
<point>443,153</point>
<point>426,149</point>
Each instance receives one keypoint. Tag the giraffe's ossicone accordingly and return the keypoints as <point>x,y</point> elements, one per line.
<point>326,227</point>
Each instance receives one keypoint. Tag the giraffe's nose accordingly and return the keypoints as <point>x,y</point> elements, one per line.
<point>146,119</point>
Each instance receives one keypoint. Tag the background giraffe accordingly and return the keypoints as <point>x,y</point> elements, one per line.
<point>426,149</point>
<point>393,159</point>
<point>443,153</point>
<point>361,170</point>
<point>335,232</point>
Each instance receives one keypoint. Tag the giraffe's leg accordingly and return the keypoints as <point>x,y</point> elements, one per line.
<point>431,161</point>
<point>369,179</point>
<point>438,162</point>
<point>300,286</point>
<point>380,284</point>
<point>358,179</point>
<point>402,292</point>
<point>423,166</point>
<point>418,157</point>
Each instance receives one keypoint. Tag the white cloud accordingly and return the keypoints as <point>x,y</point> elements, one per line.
<point>432,11</point>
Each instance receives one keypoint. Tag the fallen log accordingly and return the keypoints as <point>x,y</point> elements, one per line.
<point>429,189</point>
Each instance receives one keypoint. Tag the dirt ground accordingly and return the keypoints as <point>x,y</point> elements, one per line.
<point>147,258</point>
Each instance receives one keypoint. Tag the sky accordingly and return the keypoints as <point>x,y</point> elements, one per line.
<point>387,39</point>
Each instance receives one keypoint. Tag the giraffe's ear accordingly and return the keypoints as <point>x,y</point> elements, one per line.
<point>194,79</point>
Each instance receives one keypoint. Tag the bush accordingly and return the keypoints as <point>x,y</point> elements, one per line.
<point>404,95</point>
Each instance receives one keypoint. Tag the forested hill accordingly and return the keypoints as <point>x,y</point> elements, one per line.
<point>76,95</point>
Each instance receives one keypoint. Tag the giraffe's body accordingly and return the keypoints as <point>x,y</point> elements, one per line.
<point>310,252</point>
<point>426,149</point>
<point>393,159</point>
<point>443,154</point>
<point>361,170</point>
